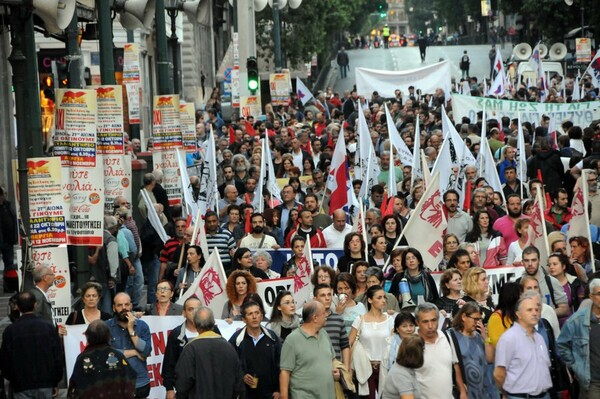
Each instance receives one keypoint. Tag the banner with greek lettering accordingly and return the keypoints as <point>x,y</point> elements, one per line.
<point>117,179</point>
<point>187,116</point>
<point>427,79</point>
<point>581,114</point>
<point>75,127</point>
<point>496,276</point>
<point>320,256</point>
<point>47,213</point>
<point>109,126</point>
<point>167,162</point>
<point>59,294</point>
<point>83,190</point>
<point>160,328</point>
<point>166,129</point>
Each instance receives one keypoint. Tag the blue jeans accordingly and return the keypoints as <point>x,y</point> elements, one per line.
<point>135,284</point>
<point>152,268</point>
<point>39,393</point>
<point>106,301</point>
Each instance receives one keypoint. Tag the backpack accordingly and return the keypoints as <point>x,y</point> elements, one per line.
<point>449,333</point>
<point>464,61</point>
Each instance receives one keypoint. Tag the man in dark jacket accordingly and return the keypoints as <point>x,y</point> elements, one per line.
<point>208,366</point>
<point>343,62</point>
<point>259,350</point>
<point>31,356</point>
<point>548,162</point>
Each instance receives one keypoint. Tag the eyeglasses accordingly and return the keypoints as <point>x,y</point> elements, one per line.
<point>163,289</point>
<point>288,303</point>
<point>475,318</point>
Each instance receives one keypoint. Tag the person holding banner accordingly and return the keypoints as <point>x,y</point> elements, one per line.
<point>289,268</point>
<point>185,277</point>
<point>239,284</point>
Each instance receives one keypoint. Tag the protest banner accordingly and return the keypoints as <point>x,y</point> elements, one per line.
<point>167,162</point>
<point>427,79</point>
<point>581,114</point>
<point>109,124</point>
<point>59,294</point>
<point>47,213</point>
<point>166,129</point>
<point>134,101</point>
<point>251,106</point>
<point>280,86</point>
<point>187,118</point>
<point>117,179</point>
<point>160,327</point>
<point>83,191</point>
<point>132,81</point>
<point>75,127</point>
<point>320,256</point>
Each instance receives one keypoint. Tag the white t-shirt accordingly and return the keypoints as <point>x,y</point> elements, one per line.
<point>334,238</point>
<point>435,377</point>
<point>253,243</point>
<point>373,336</point>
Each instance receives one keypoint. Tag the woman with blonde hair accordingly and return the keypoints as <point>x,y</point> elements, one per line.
<point>476,288</point>
<point>239,284</point>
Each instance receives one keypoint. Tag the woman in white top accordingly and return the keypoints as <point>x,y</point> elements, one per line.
<point>372,330</point>
<point>515,250</point>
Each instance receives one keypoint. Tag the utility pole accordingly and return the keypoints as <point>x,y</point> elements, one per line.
<point>162,61</point>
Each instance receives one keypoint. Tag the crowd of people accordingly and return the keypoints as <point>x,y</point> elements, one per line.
<point>378,324</point>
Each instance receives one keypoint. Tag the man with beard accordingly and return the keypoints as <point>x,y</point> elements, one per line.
<point>307,230</point>
<point>559,213</point>
<point>257,238</point>
<point>132,337</point>
<point>513,185</point>
<point>320,220</point>
<point>459,222</point>
<point>506,224</point>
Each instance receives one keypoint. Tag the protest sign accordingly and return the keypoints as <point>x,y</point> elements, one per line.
<point>427,79</point>
<point>75,127</point>
<point>117,179</point>
<point>47,213</point>
<point>109,126</point>
<point>581,114</point>
<point>59,294</point>
<point>166,129</point>
<point>160,327</point>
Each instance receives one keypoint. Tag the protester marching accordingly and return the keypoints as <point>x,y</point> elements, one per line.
<point>415,237</point>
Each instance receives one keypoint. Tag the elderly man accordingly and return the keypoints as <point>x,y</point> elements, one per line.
<point>230,198</point>
<point>307,358</point>
<point>208,366</point>
<point>522,361</point>
<point>336,232</point>
<point>43,278</point>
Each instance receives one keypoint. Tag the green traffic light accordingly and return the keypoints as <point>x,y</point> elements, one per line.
<point>252,85</point>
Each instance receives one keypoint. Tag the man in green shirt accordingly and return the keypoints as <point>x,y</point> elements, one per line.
<point>307,358</point>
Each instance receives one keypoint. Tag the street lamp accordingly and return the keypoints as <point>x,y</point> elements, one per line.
<point>277,5</point>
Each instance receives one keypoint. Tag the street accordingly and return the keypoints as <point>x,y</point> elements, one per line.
<point>406,58</point>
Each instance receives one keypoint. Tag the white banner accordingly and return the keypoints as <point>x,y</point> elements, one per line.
<point>581,114</point>
<point>59,294</point>
<point>117,179</point>
<point>427,79</point>
<point>160,327</point>
<point>169,164</point>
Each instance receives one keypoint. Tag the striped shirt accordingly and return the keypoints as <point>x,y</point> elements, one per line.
<point>223,240</point>
<point>337,334</point>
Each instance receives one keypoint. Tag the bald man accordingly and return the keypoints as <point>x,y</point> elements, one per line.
<point>336,232</point>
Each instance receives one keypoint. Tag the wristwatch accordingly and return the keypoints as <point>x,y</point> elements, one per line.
<point>132,334</point>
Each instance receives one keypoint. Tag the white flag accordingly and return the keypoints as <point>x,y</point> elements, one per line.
<point>487,167</point>
<point>406,157</point>
<point>190,206</point>
<point>153,216</point>
<point>209,191</point>
<point>417,169</point>
<point>425,228</point>
<point>521,157</point>
<point>369,168</point>
<point>304,95</point>
<point>576,96</point>
<point>199,235</point>
<point>580,222</point>
<point>537,235</point>
<point>210,285</point>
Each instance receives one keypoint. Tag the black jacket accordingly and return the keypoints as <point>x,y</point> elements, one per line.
<point>31,356</point>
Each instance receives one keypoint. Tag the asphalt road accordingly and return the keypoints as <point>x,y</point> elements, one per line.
<point>407,58</point>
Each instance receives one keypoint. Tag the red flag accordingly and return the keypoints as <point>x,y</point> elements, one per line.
<point>231,135</point>
<point>248,224</point>
<point>384,202</point>
<point>467,200</point>
<point>249,128</point>
<point>188,221</point>
<point>390,207</point>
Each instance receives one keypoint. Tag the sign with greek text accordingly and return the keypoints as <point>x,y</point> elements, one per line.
<point>117,179</point>
<point>109,125</point>
<point>47,216</point>
<point>581,114</point>
<point>168,162</point>
<point>59,294</point>
<point>188,126</point>
<point>166,129</point>
<point>75,127</point>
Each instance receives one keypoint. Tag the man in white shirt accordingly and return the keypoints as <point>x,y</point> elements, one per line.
<point>257,238</point>
<point>336,232</point>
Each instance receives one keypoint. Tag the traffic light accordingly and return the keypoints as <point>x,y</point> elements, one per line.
<point>253,77</point>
